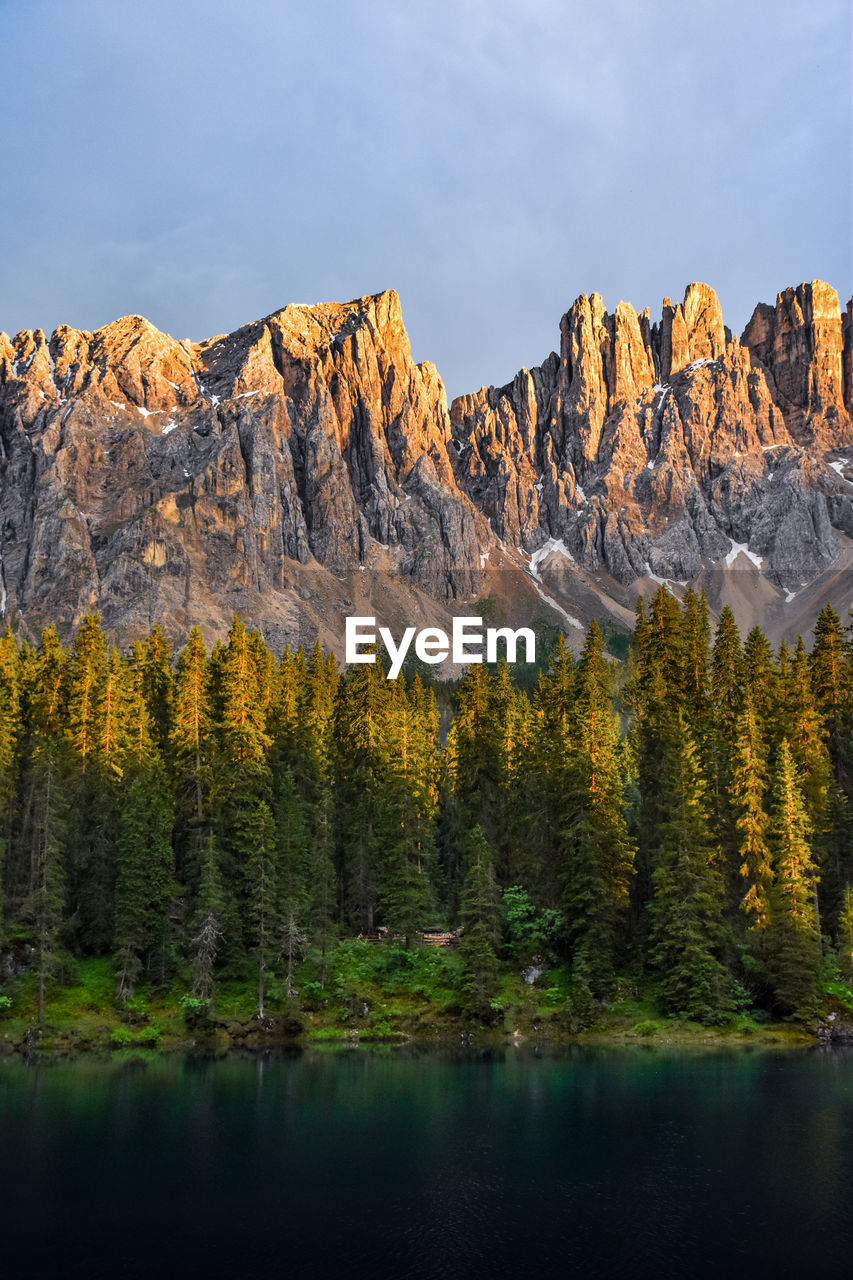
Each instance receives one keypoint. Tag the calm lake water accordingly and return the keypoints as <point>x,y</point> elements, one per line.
<point>590,1163</point>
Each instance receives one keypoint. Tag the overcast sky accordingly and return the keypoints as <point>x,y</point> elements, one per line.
<point>204,163</point>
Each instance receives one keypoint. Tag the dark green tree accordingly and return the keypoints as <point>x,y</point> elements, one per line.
<point>792,940</point>
<point>481,923</point>
<point>686,934</point>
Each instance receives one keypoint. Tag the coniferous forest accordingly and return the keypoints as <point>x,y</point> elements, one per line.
<point>234,821</point>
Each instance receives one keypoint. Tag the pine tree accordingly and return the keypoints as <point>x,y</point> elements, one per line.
<point>405,818</point>
<point>664,644</point>
<point>727,690</point>
<point>481,907</point>
<point>360,742</point>
<point>242,773</point>
<point>191,747</point>
<point>143,878</point>
<point>686,934</point>
<point>828,669</point>
<point>206,938</point>
<point>323,900</point>
<point>258,846</point>
<point>86,676</point>
<point>760,677</point>
<point>246,698</point>
<point>152,661</point>
<point>792,943</point>
<point>802,728</point>
<point>696,663</point>
<point>472,751</point>
<point>44,908</point>
<point>599,854</point>
<point>751,821</point>
<point>11,731</point>
<point>845,936</point>
<point>542,775</point>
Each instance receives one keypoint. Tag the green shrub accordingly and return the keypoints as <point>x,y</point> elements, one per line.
<point>5,1003</point>
<point>647,1028</point>
<point>196,1011</point>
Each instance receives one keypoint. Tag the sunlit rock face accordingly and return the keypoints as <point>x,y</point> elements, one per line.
<point>659,449</point>
<point>275,470</point>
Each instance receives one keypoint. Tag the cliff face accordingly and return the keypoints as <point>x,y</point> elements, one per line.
<point>156,479</point>
<point>162,480</point>
<point>673,450</point>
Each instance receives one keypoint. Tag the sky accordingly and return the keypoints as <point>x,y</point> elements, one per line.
<point>203,163</point>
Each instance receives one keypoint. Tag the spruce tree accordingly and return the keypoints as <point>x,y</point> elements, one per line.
<point>11,731</point>
<point>804,732</point>
<point>206,938</point>
<point>696,664</point>
<point>257,838</point>
<point>749,784</point>
<point>46,900</point>
<point>405,818</point>
<point>845,936</point>
<point>481,907</point>
<point>143,853</point>
<point>360,743</point>
<point>686,933</point>
<point>191,749</point>
<point>829,671</point>
<point>760,677</point>
<point>542,775</point>
<point>599,853</point>
<point>152,660</point>
<point>792,939</point>
<point>727,688</point>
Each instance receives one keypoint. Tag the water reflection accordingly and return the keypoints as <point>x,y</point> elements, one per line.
<point>595,1163</point>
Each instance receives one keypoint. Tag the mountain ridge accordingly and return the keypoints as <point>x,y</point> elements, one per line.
<point>305,466</point>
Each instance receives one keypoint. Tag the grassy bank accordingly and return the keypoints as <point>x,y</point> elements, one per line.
<point>362,994</point>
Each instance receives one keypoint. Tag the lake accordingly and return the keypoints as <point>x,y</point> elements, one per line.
<point>398,1163</point>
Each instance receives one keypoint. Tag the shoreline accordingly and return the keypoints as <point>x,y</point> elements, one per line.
<point>68,1044</point>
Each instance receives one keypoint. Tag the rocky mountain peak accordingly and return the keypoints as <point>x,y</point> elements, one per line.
<point>305,460</point>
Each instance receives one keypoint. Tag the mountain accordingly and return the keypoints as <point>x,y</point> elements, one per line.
<point>305,468</point>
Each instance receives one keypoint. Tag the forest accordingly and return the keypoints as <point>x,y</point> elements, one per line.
<point>680,820</point>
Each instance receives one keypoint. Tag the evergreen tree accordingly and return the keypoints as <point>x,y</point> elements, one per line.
<point>152,661</point>
<point>258,847</point>
<point>481,915</point>
<point>405,818</point>
<point>207,931</point>
<point>686,934</point>
<point>802,728</point>
<point>845,936</point>
<point>792,944</point>
<point>11,731</point>
<point>242,774</point>
<point>828,669</point>
<point>751,820</point>
<point>760,679</point>
<point>86,676</point>
<point>727,676</point>
<point>143,879</point>
<point>360,724</point>
<point>599,854</point>
<point>696,663</point>
<point>323,901</point>
<point>542,781</point>
<point>190,743</point>
<point>46,901</point>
